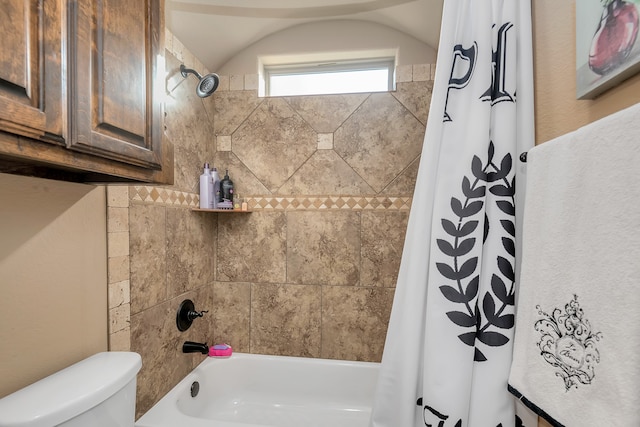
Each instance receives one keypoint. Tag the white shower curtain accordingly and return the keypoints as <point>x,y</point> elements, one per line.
<point>448,349</point>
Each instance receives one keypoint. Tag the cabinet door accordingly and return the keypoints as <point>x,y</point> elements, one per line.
<point>31,79</point>
<point>116,65</point>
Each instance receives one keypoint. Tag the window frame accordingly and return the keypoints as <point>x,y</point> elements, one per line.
<point>325,67</point>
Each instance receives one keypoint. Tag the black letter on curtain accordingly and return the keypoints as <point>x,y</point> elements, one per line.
<point>469,56</point>
<point>497,92</point>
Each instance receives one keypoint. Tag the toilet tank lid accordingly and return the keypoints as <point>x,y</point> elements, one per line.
<point>71,391</point>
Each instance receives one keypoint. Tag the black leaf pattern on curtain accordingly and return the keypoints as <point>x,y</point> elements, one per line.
<point>487,315</point>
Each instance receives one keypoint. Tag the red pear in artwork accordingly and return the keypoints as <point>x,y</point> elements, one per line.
<point>615,36</point>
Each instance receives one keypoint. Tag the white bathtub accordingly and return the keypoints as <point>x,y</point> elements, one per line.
<point>248,390</point>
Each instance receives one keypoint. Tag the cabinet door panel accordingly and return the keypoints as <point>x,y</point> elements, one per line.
<point>116,113</point>
<point>121,80</point>
<point>31,101</point>
<point>14,67</point>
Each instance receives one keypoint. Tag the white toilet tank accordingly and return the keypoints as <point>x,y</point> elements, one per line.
<point>99,391</point>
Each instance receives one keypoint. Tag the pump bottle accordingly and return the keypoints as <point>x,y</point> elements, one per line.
<point>226,186</point>
<point>216,188</point>
<point>206,188</point>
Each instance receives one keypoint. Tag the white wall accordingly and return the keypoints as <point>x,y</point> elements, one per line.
<point>53,277</point>
<point>557,109</point>
<point>331,36</point>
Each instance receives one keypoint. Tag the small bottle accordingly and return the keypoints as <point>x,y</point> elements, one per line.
<point>226,186</point>
<point>216,187</point>
<point>237,200</point>
<point>206,188</point>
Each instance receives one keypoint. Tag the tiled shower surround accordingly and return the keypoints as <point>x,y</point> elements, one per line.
<point>311,270</point>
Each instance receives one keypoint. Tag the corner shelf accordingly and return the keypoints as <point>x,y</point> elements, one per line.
<point>236,211</point>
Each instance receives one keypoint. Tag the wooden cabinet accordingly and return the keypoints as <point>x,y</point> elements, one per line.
<point>31,70</point>
<point>115,110</point>
<point>81,88</point>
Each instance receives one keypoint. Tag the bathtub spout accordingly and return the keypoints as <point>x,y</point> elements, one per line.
<point>195,347</point>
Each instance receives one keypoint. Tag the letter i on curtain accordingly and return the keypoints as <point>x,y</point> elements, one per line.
<point>448,349</point>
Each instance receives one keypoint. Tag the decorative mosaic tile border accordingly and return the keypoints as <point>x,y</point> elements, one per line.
<point>330,202</point>
<point>168,197</point>
<point>163,196</point>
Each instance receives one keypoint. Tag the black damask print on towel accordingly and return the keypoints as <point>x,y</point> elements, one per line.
<point>568,343</point>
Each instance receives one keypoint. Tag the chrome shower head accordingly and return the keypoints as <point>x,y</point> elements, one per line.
<point>206,85</point>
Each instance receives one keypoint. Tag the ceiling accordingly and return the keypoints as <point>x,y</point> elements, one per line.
<point>215,30</point>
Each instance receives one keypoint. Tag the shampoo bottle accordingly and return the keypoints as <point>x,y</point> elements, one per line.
<point>216,187</point>
<point>226,186</point>
<point>206,188</point>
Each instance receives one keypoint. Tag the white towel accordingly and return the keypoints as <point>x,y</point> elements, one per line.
<point>576,355</point>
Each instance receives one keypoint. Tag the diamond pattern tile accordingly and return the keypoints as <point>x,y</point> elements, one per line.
<point>274,142</point>
<point>380,129</point>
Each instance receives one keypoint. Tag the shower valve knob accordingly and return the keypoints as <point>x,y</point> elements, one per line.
<point>192,315</point>
<point>187,314</point>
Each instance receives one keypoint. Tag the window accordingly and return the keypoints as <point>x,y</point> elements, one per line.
<point>375,75</point>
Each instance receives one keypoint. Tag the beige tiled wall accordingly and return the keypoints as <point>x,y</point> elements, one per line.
<point>311,270</point>
<point>330,180</point>
<point>118,268</point>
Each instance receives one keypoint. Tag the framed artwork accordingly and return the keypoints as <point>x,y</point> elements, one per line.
<point>607,45</point>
